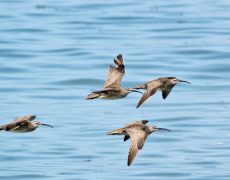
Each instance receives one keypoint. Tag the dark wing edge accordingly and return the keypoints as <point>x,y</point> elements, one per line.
<point>120,63</point>
<point>126,137</point>
<point>166,92</point>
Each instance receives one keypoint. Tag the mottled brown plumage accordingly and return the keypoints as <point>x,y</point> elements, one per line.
<point>164,84</point>
<point>23,124</point>
<point>112,87</point>
<point>138,131</point>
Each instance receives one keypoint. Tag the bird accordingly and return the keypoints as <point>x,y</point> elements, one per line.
<point>23,124</point>
<point>112,87</point>
<point>165,84</point>
<point>138,131</point>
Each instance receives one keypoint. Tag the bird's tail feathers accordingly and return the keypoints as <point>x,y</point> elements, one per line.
<point>92,96</point>
<point>116,132</point>
<point>2,128</point>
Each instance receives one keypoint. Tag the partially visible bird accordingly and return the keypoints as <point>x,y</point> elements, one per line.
<point>165,84</point>
<point>23,124</point>
<point>112,87</point>
<point>138,131</point>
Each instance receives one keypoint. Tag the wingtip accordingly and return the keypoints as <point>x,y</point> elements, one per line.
<point>138,105</point>
<point>145,121</point>
<point>119,56</point>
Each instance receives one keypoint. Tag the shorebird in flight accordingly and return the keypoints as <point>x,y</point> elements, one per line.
<point>23,124</point>
<point>138,131</point>
<point>165,84</point>
<point>112,87</point>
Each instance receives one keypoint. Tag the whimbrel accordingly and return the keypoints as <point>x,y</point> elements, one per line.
<point>23,124</point>
<point>165,84</point>
<point>112,87</point>
<point>138,131</point>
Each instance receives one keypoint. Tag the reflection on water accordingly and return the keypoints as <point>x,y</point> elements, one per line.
<point>53,53</point>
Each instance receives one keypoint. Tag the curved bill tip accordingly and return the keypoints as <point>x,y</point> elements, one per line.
<point>46,125</point>
<point>134,90</point>
<point>137,91</point>
<point>109,133</point>
<point>184,81</point>
<point>164,129</point>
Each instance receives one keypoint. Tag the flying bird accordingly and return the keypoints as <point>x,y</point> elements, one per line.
<point>23,124</point>
<point>138,131</point>
<point>112,87</point>
<point>165,84</point>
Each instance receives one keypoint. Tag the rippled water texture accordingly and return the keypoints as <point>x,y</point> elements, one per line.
<point>53,53</point>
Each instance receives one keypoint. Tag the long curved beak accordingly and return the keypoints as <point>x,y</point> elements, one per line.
<point>133,90</point>
<point>43,124</point>
<point>164,129</point>
<point>184,81</point>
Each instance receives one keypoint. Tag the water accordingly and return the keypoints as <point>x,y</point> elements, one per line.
<point>53,53</point>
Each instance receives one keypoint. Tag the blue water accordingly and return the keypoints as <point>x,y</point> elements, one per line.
<point>54,53</point>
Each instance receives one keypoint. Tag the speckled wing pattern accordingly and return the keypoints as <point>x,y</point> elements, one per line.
<point>152,88</point>
<point>138,122</point>
<point>146,96</point>
<point>116,74</point>
<point>126,137</point>
<point>19,121</point>
<point>138,137</point>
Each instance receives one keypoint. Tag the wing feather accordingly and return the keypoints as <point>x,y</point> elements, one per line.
<point>138,122</point>
<point>115,74</point>
<point>166,92</point>
<point>146,96</point>
<point>138,137</point>
<point>19,121</point>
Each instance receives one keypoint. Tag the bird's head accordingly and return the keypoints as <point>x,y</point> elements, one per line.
<point>174,80</point>
<point>155,128</point>
<point>42,124</point>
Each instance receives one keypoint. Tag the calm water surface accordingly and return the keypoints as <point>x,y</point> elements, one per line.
<point>53,53</point>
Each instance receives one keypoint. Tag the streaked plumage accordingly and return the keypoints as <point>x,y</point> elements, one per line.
<point>23,124</point>
<point>112,87</point>
<point>138,131</point>
<point>164,84</point>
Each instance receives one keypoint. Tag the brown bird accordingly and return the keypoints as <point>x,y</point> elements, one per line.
<point>23,124</point>
<point>112,87</point>
<point>138,131</point>
<point>165,84</point>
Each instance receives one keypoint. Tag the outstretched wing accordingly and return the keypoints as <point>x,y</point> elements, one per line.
<point>115,73</point>
<point>126,137</point>
<point>19,121</point>
<point>138,122</point>
<point>25,118</point>
<point>138,137</point>
<point>146,96</point>
<point>152,88</point>
<point>166,92</point>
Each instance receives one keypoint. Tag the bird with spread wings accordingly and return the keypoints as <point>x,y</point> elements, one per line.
<point>112,87</point>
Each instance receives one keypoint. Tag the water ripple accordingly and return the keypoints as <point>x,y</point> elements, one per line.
<point>52,54</point>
